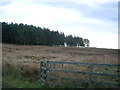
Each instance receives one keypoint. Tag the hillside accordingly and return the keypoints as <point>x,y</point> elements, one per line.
<point>19,53</point>
<point>24,60</point>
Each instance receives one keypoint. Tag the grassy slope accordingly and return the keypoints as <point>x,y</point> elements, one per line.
<point>12,78</point>
<point>21,63</point>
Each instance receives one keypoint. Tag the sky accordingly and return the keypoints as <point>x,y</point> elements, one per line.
<point>96,20</point>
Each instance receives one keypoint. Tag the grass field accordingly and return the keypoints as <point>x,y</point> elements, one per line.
<point>21,63</point>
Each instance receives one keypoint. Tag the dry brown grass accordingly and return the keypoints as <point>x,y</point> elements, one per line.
<point>26,58</point>
<point>29,56</point>
<point>21,53</point>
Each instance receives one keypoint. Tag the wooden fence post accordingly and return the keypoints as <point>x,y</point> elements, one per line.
<point>90,77</point>
<point>41,65</point>
<point>43,70</point>
<point>62,66</point>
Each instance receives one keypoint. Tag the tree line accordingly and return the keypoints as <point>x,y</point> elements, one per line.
<point>24,34</point>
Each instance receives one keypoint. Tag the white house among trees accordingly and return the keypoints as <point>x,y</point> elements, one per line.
<point>65,44</point>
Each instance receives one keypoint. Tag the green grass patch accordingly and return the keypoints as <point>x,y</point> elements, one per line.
<point>11,82</point>
<point>14,78</point>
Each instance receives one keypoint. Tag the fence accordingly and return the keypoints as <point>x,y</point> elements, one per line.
<point>50,68</point>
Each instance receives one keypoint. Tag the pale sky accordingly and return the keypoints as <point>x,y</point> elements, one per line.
<point>96,20</point>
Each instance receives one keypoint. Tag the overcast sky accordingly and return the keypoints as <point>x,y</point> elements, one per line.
<point>96,20</point>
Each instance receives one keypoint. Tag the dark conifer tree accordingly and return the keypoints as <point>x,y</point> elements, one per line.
<point>31,35</point>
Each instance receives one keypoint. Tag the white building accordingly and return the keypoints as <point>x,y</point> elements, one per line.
<point>65,44</point>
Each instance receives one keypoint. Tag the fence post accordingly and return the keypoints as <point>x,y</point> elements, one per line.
<point>43,70</point>
<point>90,77</point>
<point>62,66</point>
<point>47,72</point>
